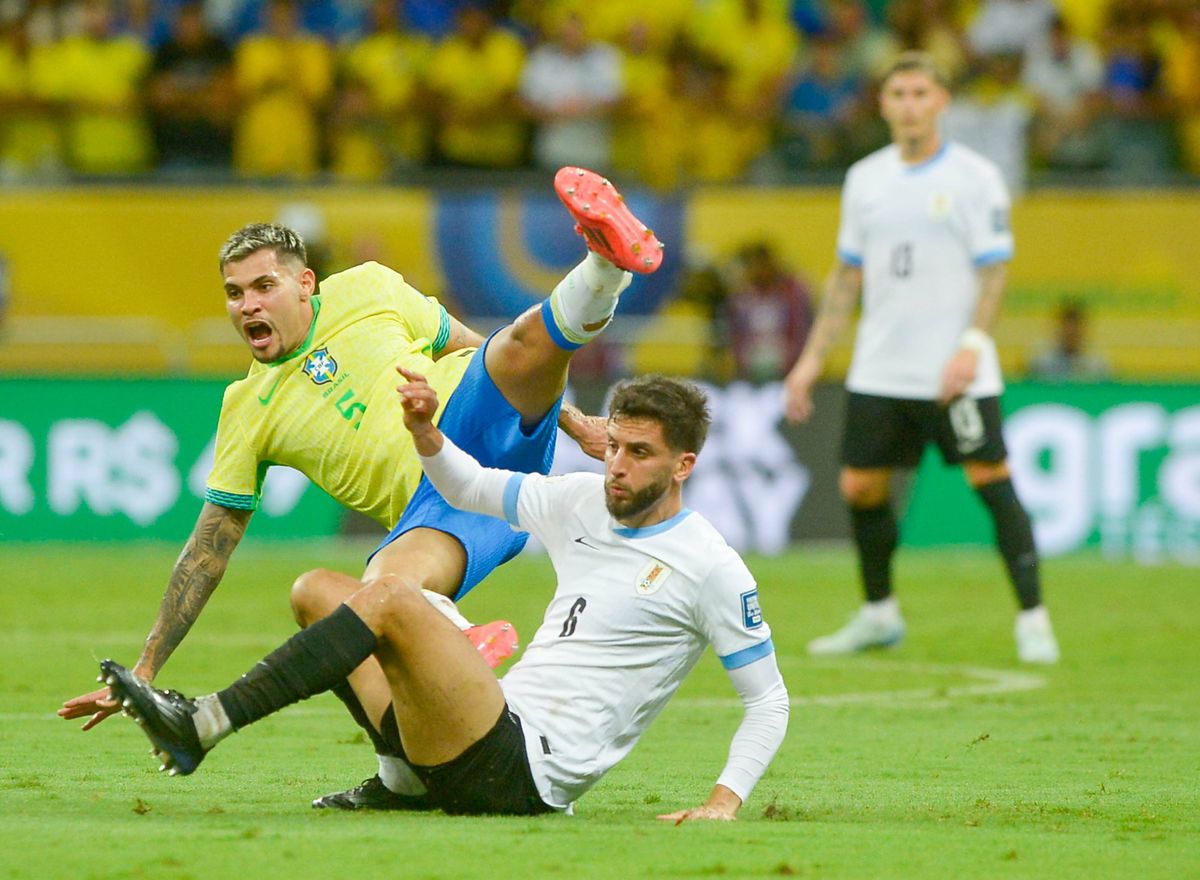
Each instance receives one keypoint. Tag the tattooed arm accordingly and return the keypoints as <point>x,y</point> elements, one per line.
<point>959,372</point>
<point>841,295</point>
<point>461,336</point>
<point>196,574</point>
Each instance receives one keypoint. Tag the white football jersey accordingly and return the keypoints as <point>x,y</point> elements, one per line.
<point>633,612</point>
<point>920,232</point>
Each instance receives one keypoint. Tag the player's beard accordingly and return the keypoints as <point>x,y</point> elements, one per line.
<point>637,503</point>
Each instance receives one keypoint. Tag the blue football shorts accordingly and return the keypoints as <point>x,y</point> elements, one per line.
<point>481,422</point>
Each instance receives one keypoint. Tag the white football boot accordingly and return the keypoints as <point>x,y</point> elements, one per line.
<point>875,625</point>
<point>1035,637</point>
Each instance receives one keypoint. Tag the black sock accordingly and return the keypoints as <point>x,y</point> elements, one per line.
<point>1014,538</point>
<point>345,693</point>
<point>313,660</point>
<point>875,534</point>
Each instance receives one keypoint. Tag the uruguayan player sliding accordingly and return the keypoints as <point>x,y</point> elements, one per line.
<point>644,586</point>
<point>925,235</point>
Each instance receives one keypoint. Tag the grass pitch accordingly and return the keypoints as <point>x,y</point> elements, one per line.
<point>942,758</point>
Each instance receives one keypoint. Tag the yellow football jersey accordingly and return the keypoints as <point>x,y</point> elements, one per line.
<point>330,409</point>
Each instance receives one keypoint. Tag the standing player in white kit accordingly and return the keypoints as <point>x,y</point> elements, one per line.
<point>925,236</point>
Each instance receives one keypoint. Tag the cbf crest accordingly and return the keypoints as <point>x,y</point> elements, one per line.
<point>320,366</point>
<point>653,576</point>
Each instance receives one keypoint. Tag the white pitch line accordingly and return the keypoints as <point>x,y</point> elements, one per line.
<point>988,682</point>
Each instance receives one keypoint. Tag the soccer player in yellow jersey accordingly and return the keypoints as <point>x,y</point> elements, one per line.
<point>320,397</point>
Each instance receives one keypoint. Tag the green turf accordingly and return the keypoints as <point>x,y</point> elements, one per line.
<point>926,761</point>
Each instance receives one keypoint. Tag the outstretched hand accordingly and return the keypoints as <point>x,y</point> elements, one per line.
<point>420,402</point>
<point>797,394</point>
<point>99,704</point>
<point>705,812</point>
<point>590,432</point>
<point>958,374</point>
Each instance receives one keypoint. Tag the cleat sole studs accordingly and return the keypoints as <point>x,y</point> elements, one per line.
<point>110,680</point>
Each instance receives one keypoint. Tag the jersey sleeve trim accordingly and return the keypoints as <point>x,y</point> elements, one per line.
<point>512,492</point>
<point>443,334</point>
<point>231,500</point>
<point>992,257</point>
<point>850,259</point>
<point>746,656</point>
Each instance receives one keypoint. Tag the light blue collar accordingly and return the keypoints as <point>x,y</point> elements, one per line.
<point>656,529</point>
<point>921,166</point>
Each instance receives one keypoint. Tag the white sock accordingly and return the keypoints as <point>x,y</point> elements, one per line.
<point>884,611</point>
<point>448,609</point>
<point>585,300</point>
<point>398,776</point>
<point>212,724</point>
<point>1037,616</point>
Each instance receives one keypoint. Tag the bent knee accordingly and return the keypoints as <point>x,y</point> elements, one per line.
<point>388,602</point>
<point>863,489</point>
<point>983,473</point>
<point>315,594</point>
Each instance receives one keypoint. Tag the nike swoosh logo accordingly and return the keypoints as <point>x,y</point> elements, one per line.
<point>265,400</point>
<point>586,544</point>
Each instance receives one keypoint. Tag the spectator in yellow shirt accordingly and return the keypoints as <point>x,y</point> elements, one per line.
<point>753,44</point>
<point>473,78</point>
<point>378,122</point>
<point>30,137</point>
<point>1182,78</point>
<point>284,78</point>
<point>649,130</point>
<point>99,75</point>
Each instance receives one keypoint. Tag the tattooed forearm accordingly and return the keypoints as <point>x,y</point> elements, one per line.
<point>196,574</point>
<point>992,279</point>
<point>461,336</point>
<point>837,306</point>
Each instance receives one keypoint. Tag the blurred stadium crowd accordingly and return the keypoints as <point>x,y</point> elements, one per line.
<point>667,92</point>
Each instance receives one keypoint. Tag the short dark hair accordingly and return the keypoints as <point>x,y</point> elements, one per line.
<point>921,62</point>
<point>254,237</point>
<point>680,409</point>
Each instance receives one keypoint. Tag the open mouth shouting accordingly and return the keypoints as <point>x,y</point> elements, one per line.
<point>258,334</point>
